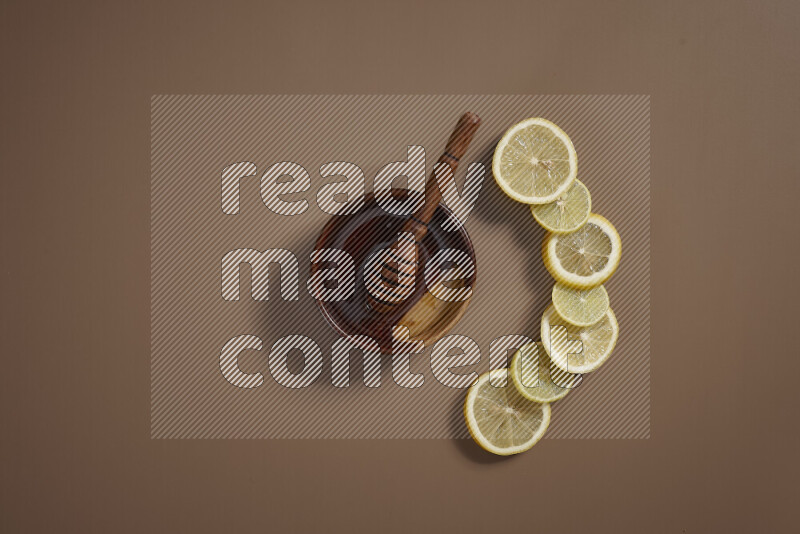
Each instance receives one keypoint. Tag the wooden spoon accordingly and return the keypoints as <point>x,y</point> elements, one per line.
<point>393,279</point>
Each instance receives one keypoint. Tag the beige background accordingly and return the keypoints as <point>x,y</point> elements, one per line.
<point>77,80</point>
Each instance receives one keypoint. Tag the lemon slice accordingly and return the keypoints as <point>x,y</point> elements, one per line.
<point>575,349</point>
<point>585,258</point>
<point>580,307</point>
<point>567,213</point>
<point>544,386</point>
<point>501,420</point>
<point>535,162</point>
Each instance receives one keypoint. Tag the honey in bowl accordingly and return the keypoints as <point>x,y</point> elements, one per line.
<point>369,230</point>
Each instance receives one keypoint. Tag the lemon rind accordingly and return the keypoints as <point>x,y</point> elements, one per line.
<point>561,134</point>
<point>565,230</point>
<point>513,371</point>
<point>575,323</point>
<point>583,282</point>
<point>472,425</point>
<point>561,362</point>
